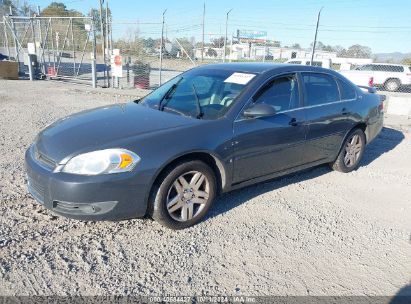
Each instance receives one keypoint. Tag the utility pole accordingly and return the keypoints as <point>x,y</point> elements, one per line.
<point>231,46</point>
<point>107,46</point>
<point>202,43</point>
<point>315,36</point>
<point>103,40</point>
<point>161,47</point>
<point>16,48</point>
<point>225,38</point>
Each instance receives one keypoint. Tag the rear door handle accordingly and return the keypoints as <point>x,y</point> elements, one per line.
<point>344,111</point>
<point>293,122</point>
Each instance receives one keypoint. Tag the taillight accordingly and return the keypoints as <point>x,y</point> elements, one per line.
<point>381,106</point>
<point>371,82</point>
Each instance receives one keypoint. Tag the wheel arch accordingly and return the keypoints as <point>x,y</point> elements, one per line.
<point>360,125</point>
<point>213,161</point>
<point>392,78</point>
<point>363,127</point>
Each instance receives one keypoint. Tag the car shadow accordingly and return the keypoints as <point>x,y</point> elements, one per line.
<point>230,200</point>
<point>403,296</point>
<point>387,140</point>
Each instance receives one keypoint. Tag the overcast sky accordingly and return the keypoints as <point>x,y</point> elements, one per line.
<point>379,24</point>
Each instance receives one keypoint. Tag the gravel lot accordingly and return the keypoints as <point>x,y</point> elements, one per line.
<point>314,233</point>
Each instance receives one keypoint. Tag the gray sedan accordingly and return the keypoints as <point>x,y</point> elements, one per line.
<point>210,130</point>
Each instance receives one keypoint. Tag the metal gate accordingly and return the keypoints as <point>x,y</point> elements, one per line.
<point>65,47</point>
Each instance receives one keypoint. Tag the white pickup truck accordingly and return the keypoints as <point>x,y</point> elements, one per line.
<point>391,77</point>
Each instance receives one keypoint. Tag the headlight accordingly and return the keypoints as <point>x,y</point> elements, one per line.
<point>102,162</point>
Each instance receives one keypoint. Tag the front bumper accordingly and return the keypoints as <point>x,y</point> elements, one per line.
<point>104,197</point>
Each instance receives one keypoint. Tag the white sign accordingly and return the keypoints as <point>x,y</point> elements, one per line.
<point>31,48</point>
<point>57,39</point>
<point>87,27</point>
<point>240,78</point>
<point>117,65</point>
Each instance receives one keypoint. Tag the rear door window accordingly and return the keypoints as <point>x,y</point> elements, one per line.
<point>388,68</point>
<point>366,67</point>
<point>347,91</point>
<point>395,68</point>
<point>320,89</point>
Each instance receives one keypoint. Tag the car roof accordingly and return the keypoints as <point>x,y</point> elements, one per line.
<point>257,67</point>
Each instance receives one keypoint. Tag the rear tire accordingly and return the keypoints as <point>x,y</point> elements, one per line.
<point>183,195</point>
<point>351,152</point>
<point>392,85</point>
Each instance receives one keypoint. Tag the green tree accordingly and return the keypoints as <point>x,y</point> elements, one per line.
<point>328,48</point>
<point>188,46</point>
<point>95,13</point>
<point>211,52</point>
<point>319,46</point>
<point>59,9</point>
<point>218,42</point>
<point>358,51</point>
<point>19,8</point>
<point>406,61</point>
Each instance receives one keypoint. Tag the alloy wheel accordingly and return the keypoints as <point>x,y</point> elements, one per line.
<point>353,150</point>
<point>392,86</point>
<point>188,196</point>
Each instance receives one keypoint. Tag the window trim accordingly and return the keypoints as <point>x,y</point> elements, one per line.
<point>306,106</point>
<point>301,91</point>
<point>338,81</point>
<point>251,99</point>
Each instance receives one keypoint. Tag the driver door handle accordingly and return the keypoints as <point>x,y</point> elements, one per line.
<point>344,111</point>
<point>293,122</point>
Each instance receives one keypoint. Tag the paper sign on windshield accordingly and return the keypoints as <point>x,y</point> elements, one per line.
<point>240,78</point>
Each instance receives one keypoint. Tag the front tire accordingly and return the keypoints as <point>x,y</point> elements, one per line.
<point>184,194</point>
<point>351,152</point>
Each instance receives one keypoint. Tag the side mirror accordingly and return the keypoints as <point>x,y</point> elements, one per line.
<point>372,90</point>
<point>259,110</point>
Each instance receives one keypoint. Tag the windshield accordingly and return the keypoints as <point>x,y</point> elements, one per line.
<point>206,94</point>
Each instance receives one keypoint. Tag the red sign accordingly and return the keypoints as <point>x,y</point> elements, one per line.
<point>51,71</point>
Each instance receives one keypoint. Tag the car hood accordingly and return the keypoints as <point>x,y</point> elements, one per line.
<point>96,129</point>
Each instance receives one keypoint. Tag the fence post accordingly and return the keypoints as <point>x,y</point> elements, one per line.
<point>161,48</point>
<point>93,72</point>
<point>15,43</point>
<point>128,69</point>
<point>6,37</point>
<point>93,54</point>
<point>30,66</point>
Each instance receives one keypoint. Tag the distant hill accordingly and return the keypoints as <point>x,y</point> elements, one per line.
<point>395,57</point>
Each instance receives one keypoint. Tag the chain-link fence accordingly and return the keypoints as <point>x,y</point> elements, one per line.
<point>64,48</point>
<point>154,52</point>
<point>146,54</point>
<point>150,55</point>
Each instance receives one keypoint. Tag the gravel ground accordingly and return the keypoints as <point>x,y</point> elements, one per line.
<point>313,233</point>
